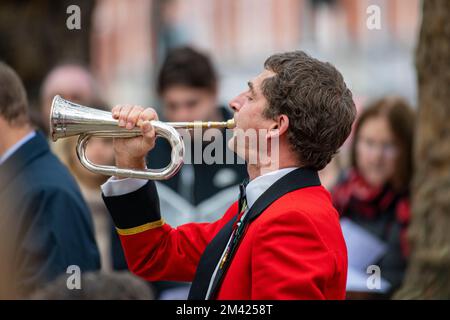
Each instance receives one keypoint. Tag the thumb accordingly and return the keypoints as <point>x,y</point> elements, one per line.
<point>148,134</point>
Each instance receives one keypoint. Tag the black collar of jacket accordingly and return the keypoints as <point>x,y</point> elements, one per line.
<point>294,180</point>
<point>23,156</point>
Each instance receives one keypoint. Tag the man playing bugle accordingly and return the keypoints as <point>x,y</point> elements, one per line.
<point>282,239</point>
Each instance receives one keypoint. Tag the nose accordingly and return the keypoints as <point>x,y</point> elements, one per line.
<point>183,114</point>
<point>237,102</point>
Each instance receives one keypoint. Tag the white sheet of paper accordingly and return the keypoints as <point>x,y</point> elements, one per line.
<point>357,282</point>
<point>363,248</point>
<point>177,211</point>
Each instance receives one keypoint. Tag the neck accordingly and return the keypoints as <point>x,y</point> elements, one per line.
<point>256,170</point>
<point>11,135</point>
<point>280,157</point>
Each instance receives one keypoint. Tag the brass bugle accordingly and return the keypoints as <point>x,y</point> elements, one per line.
<point>69,119</point>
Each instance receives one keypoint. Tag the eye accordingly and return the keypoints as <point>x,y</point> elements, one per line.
<point>172,107</point>
<point>191,104</point>
<point>249,97</point>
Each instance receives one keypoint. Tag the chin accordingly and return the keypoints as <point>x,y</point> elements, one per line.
<point>376,182</point>
<point>233,146</point>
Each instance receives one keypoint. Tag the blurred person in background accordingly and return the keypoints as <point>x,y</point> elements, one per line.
<point>71,81</point>
<point>374,193</point>
<point>100,151</point>
<point>188,88</point>
<point>8,274</point>
<point>75,83</point>
<point>330,175</point>
<point>97,286</point>
<point>187,85</point>
<point>48,222</point>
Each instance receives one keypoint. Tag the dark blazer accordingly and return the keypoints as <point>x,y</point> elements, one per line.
<point>48,223</point>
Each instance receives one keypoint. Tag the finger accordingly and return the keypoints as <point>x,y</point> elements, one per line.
<point>116,111</point>
<point>124,111</point>
<point>148,134</point>
<point>147,115</point>
<point>133,116</point>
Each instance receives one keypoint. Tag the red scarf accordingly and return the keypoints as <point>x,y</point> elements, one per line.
<point>355,195</point>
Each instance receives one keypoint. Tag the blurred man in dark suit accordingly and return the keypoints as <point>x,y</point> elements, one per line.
<point>48,222</point>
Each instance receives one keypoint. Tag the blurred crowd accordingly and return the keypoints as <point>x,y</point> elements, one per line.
<point>52,215</point>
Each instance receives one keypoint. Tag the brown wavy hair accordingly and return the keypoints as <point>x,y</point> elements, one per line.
<point>317,102</point>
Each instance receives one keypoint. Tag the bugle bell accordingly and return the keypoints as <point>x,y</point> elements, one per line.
<point>69,119</point>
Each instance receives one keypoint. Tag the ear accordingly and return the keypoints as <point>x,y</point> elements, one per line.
<point>279,127</point>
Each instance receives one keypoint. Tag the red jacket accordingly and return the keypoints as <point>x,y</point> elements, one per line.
<point>294,249</point>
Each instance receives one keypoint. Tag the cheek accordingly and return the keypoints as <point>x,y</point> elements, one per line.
<point>365,161</point>
<point>202,109</point>
<point>249,117</point>
<point>390,165</point>
<point>360,161</point>
<point>360,155</point>
<point>242,116</point>
<point>168,113</point>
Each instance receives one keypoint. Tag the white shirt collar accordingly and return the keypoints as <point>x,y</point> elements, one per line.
<point>16,146</point>
<point>259,185</point>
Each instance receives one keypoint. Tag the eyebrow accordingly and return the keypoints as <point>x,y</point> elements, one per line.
<point>251,87</point>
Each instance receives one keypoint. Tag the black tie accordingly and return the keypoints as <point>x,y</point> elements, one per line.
<point>236,235</point>
<point>297,179</point>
